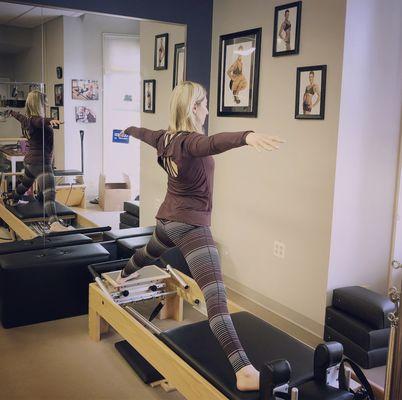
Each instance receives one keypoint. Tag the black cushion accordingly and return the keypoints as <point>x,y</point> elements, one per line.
<point>126,247</point>
<point>364,304</point>
<point>262,342</point>
<point>356,330</point>
<point>34,209</point>
<point>132,232</point>
<point>315,391</point>
<point>365,358</point>
<point>124,226</point>
<point>132,207</point>
<point>129,219</point>
<point>42,242</point>
<point>44,285</point>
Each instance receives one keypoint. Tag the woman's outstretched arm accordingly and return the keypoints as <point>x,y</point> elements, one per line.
<point>198,145</point>
<point>144,134</point>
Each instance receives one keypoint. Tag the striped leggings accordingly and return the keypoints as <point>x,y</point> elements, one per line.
<point>199,250</point>
<point>43,173</point>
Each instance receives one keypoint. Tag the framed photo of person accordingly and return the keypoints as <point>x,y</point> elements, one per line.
<point>161,51</point>
<point>310,92</point>
<point>149,96</point>
<point>179,64</point>
<point>84,89</point>
<point>287,29</point>
<point>238,76</point>
<point>84,115</point>
<point>58,95</point>
<point>54,114</point>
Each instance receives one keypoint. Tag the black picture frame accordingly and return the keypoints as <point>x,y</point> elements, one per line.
<point>148,97</point>
<point>275,52</point>
<point>252,38</point>
<point>165,39</point>
<point>59,95</point>
<point>178,48</point>
<point>304,104</point>
<point>54,114</point>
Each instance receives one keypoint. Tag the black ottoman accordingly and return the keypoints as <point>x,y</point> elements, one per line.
<point>43,285</point>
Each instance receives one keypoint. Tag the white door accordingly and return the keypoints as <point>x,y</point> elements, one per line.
<point>121,107</point>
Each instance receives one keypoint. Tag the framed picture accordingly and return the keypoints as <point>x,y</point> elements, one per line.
<point>239,67</point>
<point>84,89</point>
<point>179,65</point>
<point>84,115</point>
<point>149,96</point>
<point>161,51</point>
<point>310,92</point>
<point>54,114</point>
<point>58,95</point>
<point>287,29</point>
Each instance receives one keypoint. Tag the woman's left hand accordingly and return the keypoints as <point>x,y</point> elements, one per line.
<point>55,122</point>
<point>263,142</point>
<point>122,134</point>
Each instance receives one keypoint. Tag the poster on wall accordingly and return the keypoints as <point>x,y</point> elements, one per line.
<point>149,96</point>
<point>58,95</point>
<point>239,66</point>
<point>161,51</point>
<point>119,137</point>
<point>310,92</point>
<point>179,64</point>
<point>54,114</point>
<point>84,115</point>
<point>84,89</point>
<point>287,24</point>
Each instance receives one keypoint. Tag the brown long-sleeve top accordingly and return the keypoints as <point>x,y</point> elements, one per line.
<point>190,180</point>
<point>40,138</point>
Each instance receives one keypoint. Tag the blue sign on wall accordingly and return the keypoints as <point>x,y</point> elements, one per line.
<point>117,139</point>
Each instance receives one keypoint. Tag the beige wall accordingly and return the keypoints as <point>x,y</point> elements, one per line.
<point>153,179</point>
<point>286,196</point>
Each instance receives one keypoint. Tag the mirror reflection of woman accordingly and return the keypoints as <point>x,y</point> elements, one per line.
<point>38,160</point>
<point>184,218</point>
<point>312,89</point>
<point>238,81</point>
<point>285,30</point>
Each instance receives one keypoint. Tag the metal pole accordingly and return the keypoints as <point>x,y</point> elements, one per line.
<point>140,318</point>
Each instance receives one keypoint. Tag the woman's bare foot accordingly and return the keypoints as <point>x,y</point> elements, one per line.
<point>247,379</point>
<point>122,278</point>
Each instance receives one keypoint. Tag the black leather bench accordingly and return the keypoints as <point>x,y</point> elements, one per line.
<point>47,284</point>
<point>127,233</point>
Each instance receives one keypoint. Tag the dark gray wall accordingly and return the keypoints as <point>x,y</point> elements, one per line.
<point>196,14</point>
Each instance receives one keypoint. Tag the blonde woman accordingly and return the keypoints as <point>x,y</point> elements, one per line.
<point>184,217</point>
<point>38,160</point>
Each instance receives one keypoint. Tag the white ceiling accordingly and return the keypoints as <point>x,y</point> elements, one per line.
<point>24,16</point>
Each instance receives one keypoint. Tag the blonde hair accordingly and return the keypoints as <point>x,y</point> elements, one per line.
<point>184,96</point>
<point>35,104</point>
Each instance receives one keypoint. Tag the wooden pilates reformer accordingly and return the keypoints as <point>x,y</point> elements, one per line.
<point>27,221</point>
<point>111,305</point>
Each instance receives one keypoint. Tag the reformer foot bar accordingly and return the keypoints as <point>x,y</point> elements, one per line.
<point>189,357</point>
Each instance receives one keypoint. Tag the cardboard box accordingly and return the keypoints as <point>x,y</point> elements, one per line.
<point>113,195</point>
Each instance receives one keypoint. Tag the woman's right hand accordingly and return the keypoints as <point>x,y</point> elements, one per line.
<point>55,122</point>
<point>263,142</point>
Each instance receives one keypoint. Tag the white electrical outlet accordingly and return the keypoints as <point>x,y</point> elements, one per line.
<point>279,249</point>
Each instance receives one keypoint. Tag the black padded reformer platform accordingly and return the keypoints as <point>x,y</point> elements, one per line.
<point>132,207</point>
<point>262,342</point>
<point>127,247</point>
<point>127,233</point>
<point>35,210</point>
<point>44,241</point>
